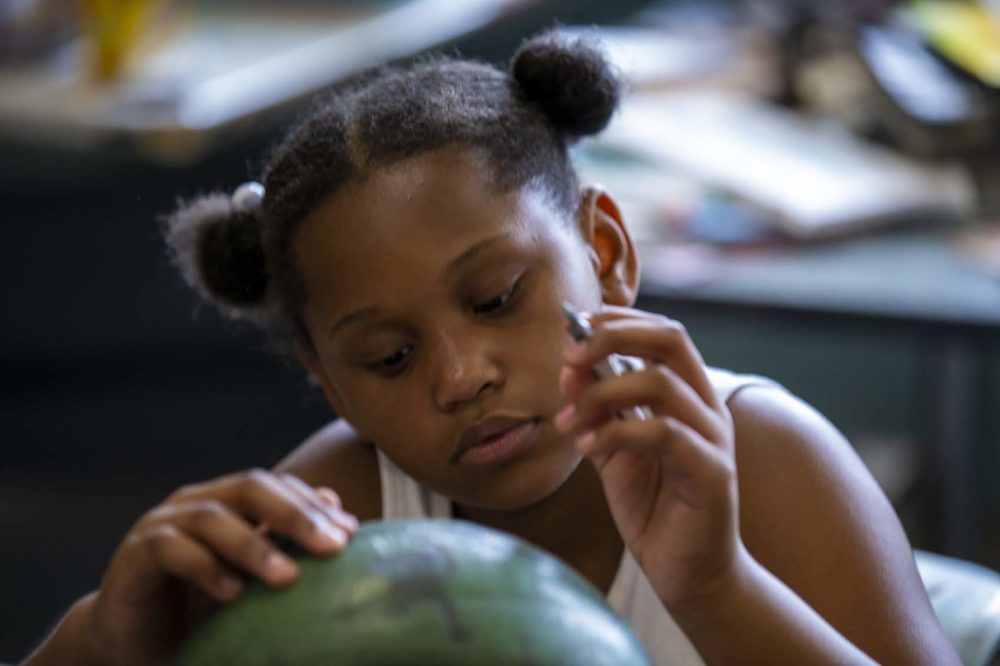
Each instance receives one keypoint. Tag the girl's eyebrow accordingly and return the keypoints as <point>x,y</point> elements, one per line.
<point>468,255</point>
<point>356,316</point>
<point>474,251</point>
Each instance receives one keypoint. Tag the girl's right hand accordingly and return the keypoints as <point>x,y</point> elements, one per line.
<point>187,555</point>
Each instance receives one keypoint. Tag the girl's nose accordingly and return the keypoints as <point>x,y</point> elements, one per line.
<point>465,372</point>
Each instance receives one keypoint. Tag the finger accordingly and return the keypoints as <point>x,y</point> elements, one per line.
<point>330,506</point>
<point>234,540</point>
<point>613,312</point>
<point>650,337</point>
<point>657,387</point>
<point>332,499</point>
<point>329,497</point>
<point>574,379</point>
<point>670,441</point>
<point>259,495</point>
<point>183,557</point>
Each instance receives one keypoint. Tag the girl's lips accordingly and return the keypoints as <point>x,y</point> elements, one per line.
<point>493,441</point>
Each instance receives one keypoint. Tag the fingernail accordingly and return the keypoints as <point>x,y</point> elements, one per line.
<point>341,518</point>
<point>350,519</point>
<point>585,442</point>
<point>329,498</point>
<point>575,351</point>
<point>229,586</point>
<point>331,533</point>
<point>279,566</point>
<point>565,417</point>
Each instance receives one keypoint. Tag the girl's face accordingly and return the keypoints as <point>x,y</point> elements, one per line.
<point>433,304</point>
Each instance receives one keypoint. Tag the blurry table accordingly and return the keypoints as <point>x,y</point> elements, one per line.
<point>204,74</point>
<point>903,281</point>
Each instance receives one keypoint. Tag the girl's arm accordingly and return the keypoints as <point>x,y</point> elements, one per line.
<point>770,546</point>
<point>187,555</point>
<point>825,543</point>
<point>755,618</point>
<point>69,644</point>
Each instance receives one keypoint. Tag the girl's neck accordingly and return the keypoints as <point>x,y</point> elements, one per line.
<point>574,523</point>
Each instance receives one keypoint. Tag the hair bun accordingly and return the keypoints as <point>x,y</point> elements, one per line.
<point>219,252</point>
<point>571,78</point>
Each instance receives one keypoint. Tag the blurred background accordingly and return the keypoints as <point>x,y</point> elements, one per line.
<point>815,188</point>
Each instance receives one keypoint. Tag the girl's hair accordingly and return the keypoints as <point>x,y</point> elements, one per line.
<point>559,88</point>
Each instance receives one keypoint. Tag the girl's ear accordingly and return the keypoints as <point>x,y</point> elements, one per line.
<point>612,252</point>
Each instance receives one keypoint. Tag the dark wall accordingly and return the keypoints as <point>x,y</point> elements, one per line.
<point>117,387</point>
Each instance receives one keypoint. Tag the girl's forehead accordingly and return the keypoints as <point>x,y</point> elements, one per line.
<point>410,220</point>
<point>443,198</point>
<point>463,169</point>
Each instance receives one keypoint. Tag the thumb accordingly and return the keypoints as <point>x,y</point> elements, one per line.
<point>573,379</point>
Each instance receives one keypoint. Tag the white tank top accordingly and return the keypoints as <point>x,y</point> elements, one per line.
<point>630,595</point>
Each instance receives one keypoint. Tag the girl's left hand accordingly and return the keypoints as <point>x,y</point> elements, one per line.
<point>670,481</point>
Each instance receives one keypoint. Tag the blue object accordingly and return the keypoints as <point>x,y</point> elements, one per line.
<point>966,599</point>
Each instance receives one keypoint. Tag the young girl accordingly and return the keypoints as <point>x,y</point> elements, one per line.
<point>411,244</point>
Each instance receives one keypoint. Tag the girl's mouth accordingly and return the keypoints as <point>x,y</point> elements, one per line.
<point>494,440</point>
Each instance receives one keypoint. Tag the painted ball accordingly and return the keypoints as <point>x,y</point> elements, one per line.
<point>421,592</point>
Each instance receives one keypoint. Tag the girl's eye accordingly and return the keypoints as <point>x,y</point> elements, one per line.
<point>497,302</point>
<point>393,362</point>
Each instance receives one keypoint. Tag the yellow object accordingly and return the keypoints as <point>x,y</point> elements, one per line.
<point>115,27</point>
<point>967,33</point>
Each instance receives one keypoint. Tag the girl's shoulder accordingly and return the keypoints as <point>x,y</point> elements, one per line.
<point>783,444</point>
<point>812,514</point>
<point>727,383</point>
<point>336,457</point>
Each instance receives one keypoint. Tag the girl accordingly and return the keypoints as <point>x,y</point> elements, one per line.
<point>411,244</point>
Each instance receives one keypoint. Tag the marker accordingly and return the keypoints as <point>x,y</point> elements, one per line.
<point>612,365</point>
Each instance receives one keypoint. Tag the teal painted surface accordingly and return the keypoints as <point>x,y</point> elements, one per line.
<point>429,592</point>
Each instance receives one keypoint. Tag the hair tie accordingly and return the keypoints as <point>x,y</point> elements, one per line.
<point>248,197</point>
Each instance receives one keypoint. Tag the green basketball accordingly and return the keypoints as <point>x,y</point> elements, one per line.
<point>421,592</point>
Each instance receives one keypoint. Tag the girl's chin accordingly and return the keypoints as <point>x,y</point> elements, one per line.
<point>523,485</point>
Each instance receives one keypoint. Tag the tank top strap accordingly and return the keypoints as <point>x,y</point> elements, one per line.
<point>633,598</point>
<point>402,497</point>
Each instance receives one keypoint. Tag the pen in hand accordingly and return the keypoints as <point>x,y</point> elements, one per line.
<point>609,366</point>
